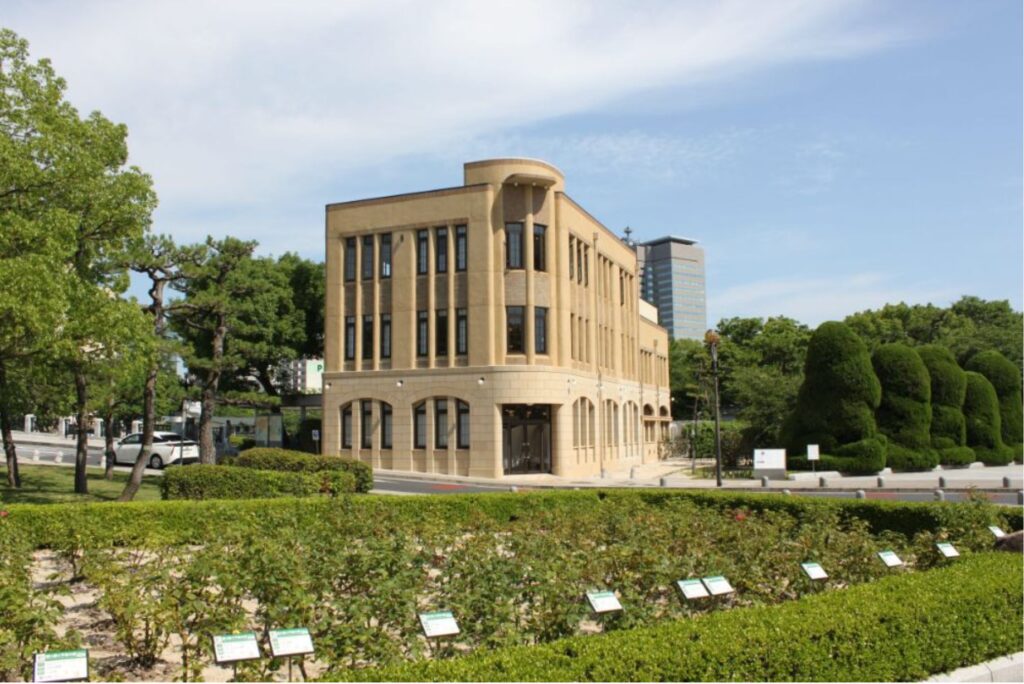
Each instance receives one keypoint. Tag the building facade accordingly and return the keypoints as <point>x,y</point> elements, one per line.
<point>301,376</point>
<point>488,329</point>
<point>672,279</point>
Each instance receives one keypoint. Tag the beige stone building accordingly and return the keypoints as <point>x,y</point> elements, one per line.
<point>489,329</point>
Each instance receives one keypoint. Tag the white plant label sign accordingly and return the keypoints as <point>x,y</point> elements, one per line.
<point>997,531</point>
<point>947,550</point>
<point>440,623</point>
<point>890,559</point>
<point>604,601</point>
<point>814,571</point>
<point>692,589</point>
<point>230,648</point>
<point>61,666</point>
<point>289,642</point>
<point>718,585</point>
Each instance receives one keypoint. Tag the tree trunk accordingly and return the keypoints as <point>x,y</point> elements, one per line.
<point>82,444</point>
<point>207,449</point>
<point>148,422</point>
<point>13,476</point>
<point>108,440</point>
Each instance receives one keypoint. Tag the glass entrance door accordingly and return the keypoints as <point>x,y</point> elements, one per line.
<point>526,438</point>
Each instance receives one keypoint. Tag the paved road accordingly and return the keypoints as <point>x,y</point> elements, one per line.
<point>65,455</point>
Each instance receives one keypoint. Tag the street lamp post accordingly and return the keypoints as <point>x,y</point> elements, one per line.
<point>711,338</point>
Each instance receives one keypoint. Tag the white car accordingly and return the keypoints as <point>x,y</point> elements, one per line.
<point>168,448</point>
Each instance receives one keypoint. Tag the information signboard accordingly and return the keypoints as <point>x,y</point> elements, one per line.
<point>812,452</point>
<point>692,589</point>
<point>440,623</point>
<point>718,585</point>
<point>947,550</point>
<point>770,463</point>
<point>814,571</point>
<point>290,642</point>
<point>890,559</point>
<point>231,648</point>
<point>61,666</point>
<point>997,531</point>
<point>603,601</point>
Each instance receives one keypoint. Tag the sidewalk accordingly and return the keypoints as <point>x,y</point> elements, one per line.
<point>52,439</point>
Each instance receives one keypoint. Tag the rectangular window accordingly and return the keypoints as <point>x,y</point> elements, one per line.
<point>539,242</point>
<point>462,425</point>
<point>540,330</point>
<point>441,249</point>
<point>586,266</point>
<point>368,337</point>
<point>514,319</point>
<point>350,259</point>
<point>366,426</point>
<point>385,336</point>
<point>385,425</point>
<point>419,426</point>
<point>422,330</point>
<point>441,332</point>
<point>350,337</point>
<point>385,255</point>
<point>579,261</point>
<point>441,423</point>
<point>368,257</point>
<point>461,332</point>
<point>346,427</point>
<point>461,253</point>
<point>422,251</point>
<point>513,245</point>
<point>572,257</point>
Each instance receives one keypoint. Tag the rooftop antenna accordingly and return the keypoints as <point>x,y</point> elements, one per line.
<point>628,231</point>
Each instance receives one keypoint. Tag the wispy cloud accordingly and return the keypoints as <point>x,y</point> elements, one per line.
<point>246,105</point>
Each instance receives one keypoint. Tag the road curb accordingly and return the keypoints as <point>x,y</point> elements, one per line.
<point>1004,669</point>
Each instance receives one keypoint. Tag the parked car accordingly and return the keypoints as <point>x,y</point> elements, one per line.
<point>168,448</point>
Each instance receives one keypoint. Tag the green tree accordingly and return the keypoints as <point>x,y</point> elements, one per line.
<point>904,415</point>
<point>837,400</point>
<point>949,386</point>
<point>1006,379</point>
<point>307,279</point>
<point>981,410</point>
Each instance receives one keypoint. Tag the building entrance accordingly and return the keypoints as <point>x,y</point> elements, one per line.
<point>526,438</point>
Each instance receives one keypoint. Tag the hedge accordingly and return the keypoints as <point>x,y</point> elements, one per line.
<point>901,628</point>
<point>837,401</point>
<point>981,411</point>
<point>267,458</point>
<point>949,386</point>
<point>1005,378</point>
<point>201,482</point>
<point>905,413</point>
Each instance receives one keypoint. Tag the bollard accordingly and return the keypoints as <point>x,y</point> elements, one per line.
<point>60,457</point>
<point>764,481</point>
<point>942,483</point>
<point>861,494</point>
<point>1006,482</point>
<point>786,492</point>
<point>822,482</point>
<point>940,495</point>
<point>632,472</point>
<point>35,455</point>
<point>881,481</point>
<point>513,489</point>
<point>663,482</point>
<point>1020,498</point>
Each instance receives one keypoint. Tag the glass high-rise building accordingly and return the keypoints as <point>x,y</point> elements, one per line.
<point>672,279</point>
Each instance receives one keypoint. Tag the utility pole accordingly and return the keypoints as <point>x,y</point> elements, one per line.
<point>712,338</point>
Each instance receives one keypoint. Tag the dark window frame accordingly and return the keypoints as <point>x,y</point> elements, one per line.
<point>366,271</point>
<point>440,423</point>
<point>385,256</point>
<point>385,336</point>
<point>387,418</point>
<point>350,338</point>
<point>441,249</point>
<point>511,314</point>
<point>462,416</point>
<point>350,259</point>
<point>367,337</point>
<point>540,329</point>
<point>422,251</point>
<point>346,426</point>
<point>419,434</point>
<point>513,246</point>
<point>366,425</point>
<point>461,248</point>
<point>422,333</point>
<point>540,237</point>
<point>461,332</point>
<point>441,332</point>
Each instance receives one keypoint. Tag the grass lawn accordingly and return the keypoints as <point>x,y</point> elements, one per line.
<point>56,484</point>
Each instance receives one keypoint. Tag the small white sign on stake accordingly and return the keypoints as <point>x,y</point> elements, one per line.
<point>290,642</point>
<point>814,571</point>
<point>812,452</point>
<point>440,623</point>
<point>718,585</point>
<point>231,648</point>
<point>316,435</point>
<point>890,559</point>
<point>947,550</point>
<point>604,601</point>
<point>997,531</point>
<point>692,589</point>
<point>61,666</point>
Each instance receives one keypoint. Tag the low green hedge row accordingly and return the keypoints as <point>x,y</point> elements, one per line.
<point>184,522</point>
<point>901,628</point>
<point>267,458</point>
<point>201,482</point>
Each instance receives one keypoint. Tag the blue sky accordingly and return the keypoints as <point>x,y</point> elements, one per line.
<point>830,156</point>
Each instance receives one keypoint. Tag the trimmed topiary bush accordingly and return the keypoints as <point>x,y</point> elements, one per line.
<point>904,415</point>
<point>1006,379</point>
<point>837,401</point>
<point>199,482</point>
<point>981,410</point>
<point>949,385</point>
<point>269,458</point>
